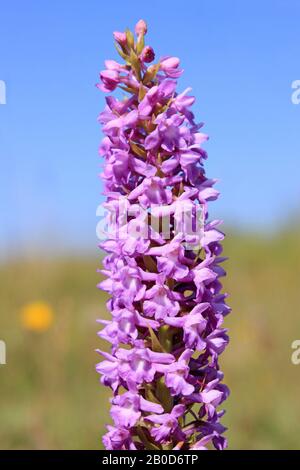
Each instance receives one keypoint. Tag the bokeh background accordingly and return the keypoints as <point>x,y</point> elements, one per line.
<point>240,59</point>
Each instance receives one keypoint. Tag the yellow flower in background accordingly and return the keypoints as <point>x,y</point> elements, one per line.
<point>37,316</point>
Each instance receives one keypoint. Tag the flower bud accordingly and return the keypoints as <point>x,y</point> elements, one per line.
<point>120,38</point>
<point>169,63</point>
<point>141,28</point>
<point>147,54</point>
<point>110,79</point>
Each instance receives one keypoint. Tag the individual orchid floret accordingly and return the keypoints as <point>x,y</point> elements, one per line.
<point>127,409</point>
<point>162,268</point>
<point>168,424</point>
<point>170,65</point>
<point>110,79</point>
<point>193,325</point>
<point>160,302</point>
<point>177,375</point>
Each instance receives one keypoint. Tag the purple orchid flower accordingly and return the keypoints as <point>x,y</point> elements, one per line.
<point>161,302</point>
<point>193,325</point>
<point>118,438</point>
<point>157,94</point>
<point>127,409</point>
<point>168,424</point>
<point>163,260</point>
<point>169,65</point>
<point>133,366</point>
<point>177,374</point>
<point>167,133</point>
<point>110,79</point>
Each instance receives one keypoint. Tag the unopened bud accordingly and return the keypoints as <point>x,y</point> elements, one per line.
<point>147,54</point>
<point>120,38</point>
<point>141,28</point>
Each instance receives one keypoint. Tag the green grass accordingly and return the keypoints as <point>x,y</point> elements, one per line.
<point>50,397</point>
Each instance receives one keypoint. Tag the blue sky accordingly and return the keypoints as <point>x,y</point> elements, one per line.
<point>240,58</point>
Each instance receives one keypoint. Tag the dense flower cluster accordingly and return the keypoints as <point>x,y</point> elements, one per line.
<point>166,303</point>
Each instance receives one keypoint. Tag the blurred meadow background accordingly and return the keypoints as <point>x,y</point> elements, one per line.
<point>241,70</point>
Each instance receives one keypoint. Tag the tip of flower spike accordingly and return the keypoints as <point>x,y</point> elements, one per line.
<point>141,28</point>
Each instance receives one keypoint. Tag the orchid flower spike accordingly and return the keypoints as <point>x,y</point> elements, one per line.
<point>163,261</point>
